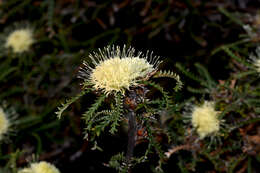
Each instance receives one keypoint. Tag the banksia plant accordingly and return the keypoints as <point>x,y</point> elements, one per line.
<point>224,127</point>
<point>40,167</point>
<point>123,74</point>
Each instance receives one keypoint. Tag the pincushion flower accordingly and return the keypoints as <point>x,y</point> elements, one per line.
<point>4,123</point>
<point>115,70</point>
<point>20,40</point>
<point>204,119</point>
<point>41,167</point>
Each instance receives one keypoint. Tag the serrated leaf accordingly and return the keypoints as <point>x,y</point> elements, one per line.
<point>68,102</point>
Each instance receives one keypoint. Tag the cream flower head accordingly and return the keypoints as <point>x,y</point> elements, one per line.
<point>204,119</point>
<point>41,167</point>
<point>4,123</point>
<point>20,40</point>
<point>114,70</point>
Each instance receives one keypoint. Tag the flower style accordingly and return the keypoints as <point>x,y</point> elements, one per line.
<point>204,119</point>
<point>20,40</point>
<point>116,70</point>
<point>41,167</point>
<point>4,123</point>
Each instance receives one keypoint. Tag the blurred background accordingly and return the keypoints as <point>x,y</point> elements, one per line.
<point>35,82</point>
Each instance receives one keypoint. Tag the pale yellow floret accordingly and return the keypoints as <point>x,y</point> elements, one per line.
<point>41,167</point>
<point>117,74</point>
<point>20,40</point>
<point>204,119</point>
<point>4,123</point>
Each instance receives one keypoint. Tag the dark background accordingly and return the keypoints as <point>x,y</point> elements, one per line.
<point>185,31</point>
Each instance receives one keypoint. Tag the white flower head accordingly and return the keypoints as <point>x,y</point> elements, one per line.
<point>20,40</point>
<point>41,167</point>
<point>4,123</point>
<point>113,69</point>
<point>205,120</point>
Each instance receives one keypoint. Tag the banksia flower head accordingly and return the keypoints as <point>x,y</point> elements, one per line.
<point>204,119</point>
<point>41,167</point>
<point>4,123</point>
<point>114,70</point>
<point>20,40</point>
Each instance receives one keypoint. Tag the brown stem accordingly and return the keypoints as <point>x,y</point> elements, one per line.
<point>132,127</point>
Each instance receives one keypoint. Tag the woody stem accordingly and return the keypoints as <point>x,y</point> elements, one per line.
<point>131,135</point>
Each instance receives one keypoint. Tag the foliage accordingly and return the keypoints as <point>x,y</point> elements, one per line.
<point>211,45</point>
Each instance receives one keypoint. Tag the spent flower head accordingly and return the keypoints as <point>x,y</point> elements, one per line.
<point>204,119</point>
<point>20,40</point>
<point>115,69</point>
<point>41,167</point>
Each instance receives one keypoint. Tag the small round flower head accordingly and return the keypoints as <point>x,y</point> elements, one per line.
<point>4,123</point>
<point>41,167</point>
<point>20,40</point>
<point>114,70</point>
<point>204,119</point>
